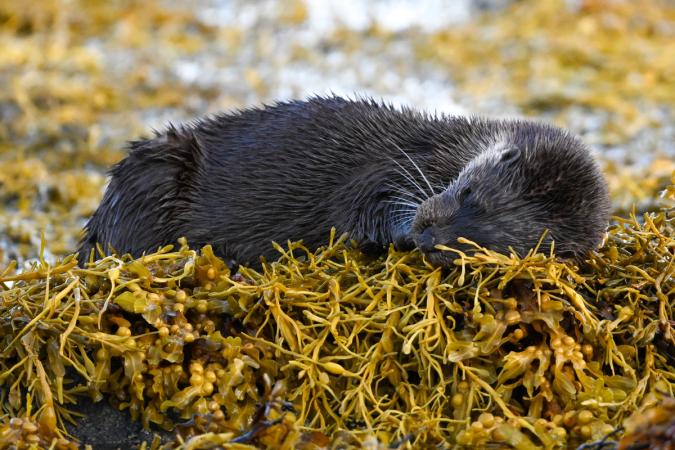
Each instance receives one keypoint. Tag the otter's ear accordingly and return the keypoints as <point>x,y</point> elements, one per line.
<point>510,156</point>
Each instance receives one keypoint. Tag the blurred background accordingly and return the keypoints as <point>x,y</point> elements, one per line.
<point>78,78</point>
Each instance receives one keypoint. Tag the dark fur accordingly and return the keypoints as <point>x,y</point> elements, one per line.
<point>293,170</point>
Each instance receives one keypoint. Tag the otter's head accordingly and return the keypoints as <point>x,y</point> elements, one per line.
<point>534,178</point>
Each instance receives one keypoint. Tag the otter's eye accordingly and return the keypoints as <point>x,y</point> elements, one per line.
<point>510,155</point>
<point>464,193</point>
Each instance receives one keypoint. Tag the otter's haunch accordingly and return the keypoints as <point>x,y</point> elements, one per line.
<point>293,170</point>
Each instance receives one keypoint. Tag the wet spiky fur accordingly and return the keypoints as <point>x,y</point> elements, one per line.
<point>293,170</point>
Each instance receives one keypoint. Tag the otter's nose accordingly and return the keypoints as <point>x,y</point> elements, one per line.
<point>427,240</point>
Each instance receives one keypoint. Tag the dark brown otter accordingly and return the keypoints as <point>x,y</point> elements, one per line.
<point>293,170</point>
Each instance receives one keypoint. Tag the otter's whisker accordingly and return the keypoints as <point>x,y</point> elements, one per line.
<point>408,176</point>
<point>403,214</point>
<point>400,190</point>
<point>402,202</point>
<point>402,220</point>
<point>403,223</point>
<point>426,180</point>
<point>403,207</point>
<point>401,211</point>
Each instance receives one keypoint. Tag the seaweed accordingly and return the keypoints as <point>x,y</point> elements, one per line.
<point>528,351</point>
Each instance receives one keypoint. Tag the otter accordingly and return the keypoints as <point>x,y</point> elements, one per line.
<point>295,169</point>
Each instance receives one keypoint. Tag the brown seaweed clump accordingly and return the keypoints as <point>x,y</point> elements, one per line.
<point>652,426</point>
<point>333,348</point>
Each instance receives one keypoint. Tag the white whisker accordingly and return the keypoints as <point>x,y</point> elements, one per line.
<point>408,176</point>
<point>402,202</point>
<point>410,196</point>
<point>402,211</point>
<point>402,221</point>
<point>418,169</point>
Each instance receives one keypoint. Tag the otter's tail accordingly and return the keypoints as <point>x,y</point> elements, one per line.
<point>139,210</point>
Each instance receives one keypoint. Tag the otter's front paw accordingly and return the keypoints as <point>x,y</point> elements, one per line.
<point>404,243</point>
<point>371,248</point>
